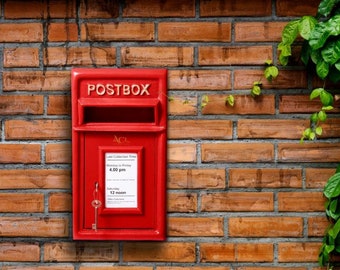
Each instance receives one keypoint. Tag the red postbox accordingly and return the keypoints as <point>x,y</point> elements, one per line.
<point>119,120</point>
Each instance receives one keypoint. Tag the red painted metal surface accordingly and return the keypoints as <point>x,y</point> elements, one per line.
<point>119,121</point>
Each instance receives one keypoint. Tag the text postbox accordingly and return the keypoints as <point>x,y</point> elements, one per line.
<point>119,120</point>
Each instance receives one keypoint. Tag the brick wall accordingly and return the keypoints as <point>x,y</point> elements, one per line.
<point>243,193</point>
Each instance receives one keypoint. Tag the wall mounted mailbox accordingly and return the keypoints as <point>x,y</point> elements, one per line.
<point>119,119</point>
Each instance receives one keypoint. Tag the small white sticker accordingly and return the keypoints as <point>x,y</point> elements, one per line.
<point>121,180</point>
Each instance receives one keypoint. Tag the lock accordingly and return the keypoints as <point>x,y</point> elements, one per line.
<point>119,122</point>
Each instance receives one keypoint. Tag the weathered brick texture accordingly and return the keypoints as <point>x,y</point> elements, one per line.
<point>242,192</point>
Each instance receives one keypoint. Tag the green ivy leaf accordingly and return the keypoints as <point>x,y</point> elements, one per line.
<point>290,32</point>
<point>268,62</point>
<point>315,93</point>
<point>326,98</point>
<point>322,69</point>
<point>312,136</point>
<point>326,6</point>
<point>322,116</point>
<point>305,53</point>
<point>271,73</point>
<point>323,30</point>
<point>318,131</point>
<point>256,90</point>
<point>331,52</point>
<point>230,100</point>
<point>314,117</point>
<point>205,101</point>
<point>327,108</point>
<point>306,25</point>
<point>332,187</point>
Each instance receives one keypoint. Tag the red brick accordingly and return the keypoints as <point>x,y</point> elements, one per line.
<point>270,268</point>
<point>62,9</point>
<point>265,178</point>
<point>317,177</point>
<point>234,9</point>
<point>35,179</point>
<point>19,252</point>
<point>196,178</point>
<point>237,152</point>
<point>80,252</point>
<point>287,79</point>
<point>244,105</point>
<point>182,105</point>
<point>298,252</point>
<point>241,252</point>
<point>59,105</point>
<point>199,80</point>
<point>121,31</point>
<point>317,226</point>
<point>20,153</point>
<point>155,8</point>
<point>193,268</point>
<point>21,202</point>
<point>330,128</point>
<point>259,31</point>
<point>58,32</point>
<point>222,55</point>
<point>34,227</point>
<point>85,56</point>
<point>157,56</point>
<point>309,152</point>
<point>204,129</point>
<point>182,202</point>
<point>265,227</point>
<point>178,153</point>
<point>271,128</point>
<point>94,267</point>
<point>58,153</point>
<point>21,105</point>
<point>301,104</point>
<point>217,252</point>
<point>50,267</point>
<point>290,8</point>
<point>194,31</point>
<point>17,32</point>
<point>19,9</point>
<point>238,202</point>
<point>254,252</point>
<point>37,129</point>
<point>21,57</point>
<point>301,202</point>
<point>195,226</point>
<point>59,202</point>
<point>99,9</point>
<point>36,81</point>
<point>159,252</point>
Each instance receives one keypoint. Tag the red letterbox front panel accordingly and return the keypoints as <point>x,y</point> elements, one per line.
<point>119,154</point>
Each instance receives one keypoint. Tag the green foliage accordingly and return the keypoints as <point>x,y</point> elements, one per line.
<point>205,101</point>
<point>331,240</point>
<point>321,46</point>
<point>230,100</point>
<point>270,73</point>
<point>256,89</point>
<point>316,118</point>
<point>320,36</point>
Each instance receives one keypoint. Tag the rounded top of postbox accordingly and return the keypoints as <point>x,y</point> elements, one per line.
<point>119,83</point>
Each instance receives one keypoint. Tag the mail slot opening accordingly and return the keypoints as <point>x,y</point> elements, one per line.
<point>119,115</point>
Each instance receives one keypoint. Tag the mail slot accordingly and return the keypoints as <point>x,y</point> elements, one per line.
<point>119,121</point>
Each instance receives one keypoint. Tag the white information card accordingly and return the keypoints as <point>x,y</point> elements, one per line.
<point>121,180</point>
